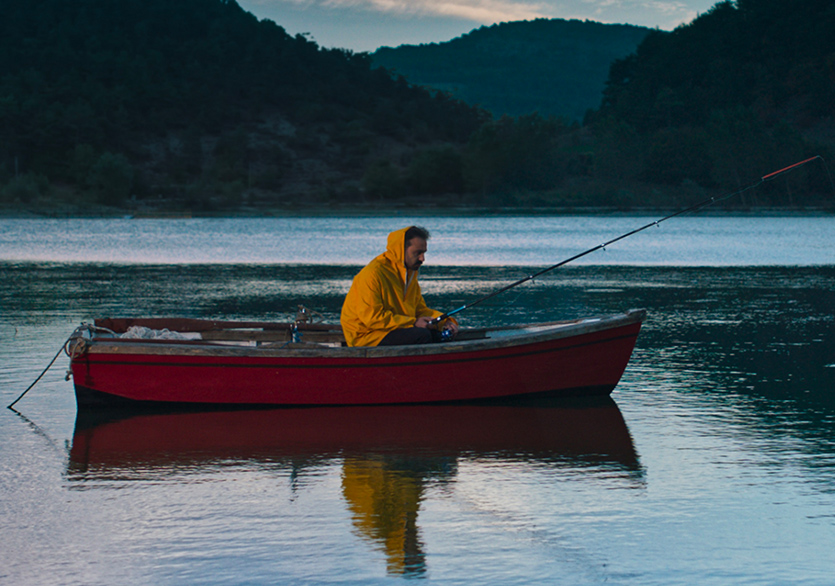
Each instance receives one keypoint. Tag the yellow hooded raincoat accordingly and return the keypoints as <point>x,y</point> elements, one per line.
<point>383,297</point>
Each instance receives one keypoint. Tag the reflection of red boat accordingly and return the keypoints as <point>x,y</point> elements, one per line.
<point>164,441</point>
<point>384,457</point>
<point>260,364</point>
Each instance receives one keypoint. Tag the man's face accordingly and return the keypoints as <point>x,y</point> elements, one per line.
<point>415,249</point>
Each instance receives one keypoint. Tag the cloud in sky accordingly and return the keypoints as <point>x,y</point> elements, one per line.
<point>364,25</point>
<point>670,13</point>
<point>482,11</point>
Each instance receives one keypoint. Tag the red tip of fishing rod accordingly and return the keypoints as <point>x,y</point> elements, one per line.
<point>770,175</point>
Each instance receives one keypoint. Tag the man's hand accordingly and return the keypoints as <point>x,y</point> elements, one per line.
<point>426,322</point>
<point>423,322</point>
<point>452,327</point>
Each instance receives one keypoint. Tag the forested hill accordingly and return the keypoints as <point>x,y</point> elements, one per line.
<point>197,105</point>
<point>551,66</point>
<point>746,87</point>
<point>198,101</point>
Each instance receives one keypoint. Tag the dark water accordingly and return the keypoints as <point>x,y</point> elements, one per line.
<point>714,462</point>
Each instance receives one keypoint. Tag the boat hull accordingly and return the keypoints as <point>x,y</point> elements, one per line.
<point>575,360</point>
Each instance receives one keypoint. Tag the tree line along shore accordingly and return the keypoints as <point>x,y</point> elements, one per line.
<point>147,107</point>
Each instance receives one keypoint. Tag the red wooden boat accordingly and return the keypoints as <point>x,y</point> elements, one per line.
<point>257,363</point>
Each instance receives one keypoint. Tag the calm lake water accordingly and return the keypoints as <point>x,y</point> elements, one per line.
<point>713,462</point>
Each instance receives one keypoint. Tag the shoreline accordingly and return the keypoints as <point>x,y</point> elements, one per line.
<point>371,210</point>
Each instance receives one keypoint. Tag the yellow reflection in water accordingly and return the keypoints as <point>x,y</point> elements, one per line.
<point>384,503</point>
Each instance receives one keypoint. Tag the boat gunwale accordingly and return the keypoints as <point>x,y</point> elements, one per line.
<point>197,348</point>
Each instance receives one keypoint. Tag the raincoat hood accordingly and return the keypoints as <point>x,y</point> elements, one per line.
<point>396,246</point>
<point>396,252</point>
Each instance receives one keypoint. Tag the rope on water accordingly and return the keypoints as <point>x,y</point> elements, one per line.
<point>40,376</point>
<point>74,335</point>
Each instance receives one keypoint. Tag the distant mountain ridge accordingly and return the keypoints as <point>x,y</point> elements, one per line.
<point>551,66</point>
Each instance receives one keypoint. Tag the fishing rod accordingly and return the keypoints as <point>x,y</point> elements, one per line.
<point>693,208</point>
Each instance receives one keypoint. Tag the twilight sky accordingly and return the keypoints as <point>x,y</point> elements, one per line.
<point>365,25</point>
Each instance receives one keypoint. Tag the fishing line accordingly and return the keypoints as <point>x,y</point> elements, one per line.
<point>691,209</point>
<point>490,317</point>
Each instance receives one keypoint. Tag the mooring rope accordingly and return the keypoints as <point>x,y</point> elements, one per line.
<point>40,376</point>
<point>72,354</point>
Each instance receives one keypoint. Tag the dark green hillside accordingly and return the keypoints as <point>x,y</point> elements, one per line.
<point>747,87</point>
<point>195,101</point>
<point>774,56</point>
<point>197,105</point>
<point>554,67</point>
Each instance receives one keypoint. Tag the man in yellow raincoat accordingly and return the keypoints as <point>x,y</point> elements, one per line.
<point>385,305</point>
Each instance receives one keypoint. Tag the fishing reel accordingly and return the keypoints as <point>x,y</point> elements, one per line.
<point>303,316</point>
<point>445,334</point>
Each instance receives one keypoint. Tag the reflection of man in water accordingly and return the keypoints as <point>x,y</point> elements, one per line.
<point>384,497</point>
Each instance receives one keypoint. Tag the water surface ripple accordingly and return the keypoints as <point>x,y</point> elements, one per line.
<point>712,463</point>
